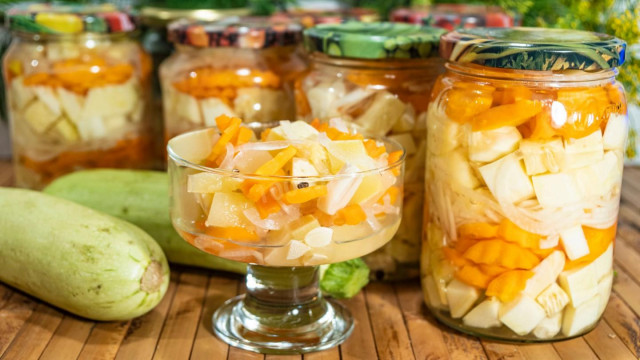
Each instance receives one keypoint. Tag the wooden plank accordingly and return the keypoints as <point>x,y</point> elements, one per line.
<point>239,354</point>
<point>35,334</point>
<point>14,314</point>
<point>6,173</point>
<point>176,339</point>
<point>283,357</point>
<point>539,351</point>
<point>629,216</point>
<point>361,343</point>
<point>331,354</point>
<point>420,323</point>
<point>389,330</point>
<point>69,339</point>
<point>627,289</point>
<point>219,290</point>
<point>104,340</point>
<point>5,294</point>
<point>502,351</point>
<point>630,235</point>
<point>627,258</point>
<point>462,346</point>
<point>624,322</point>
<point>142,336</point>
<point>575,349</point>
<point>606,344</point>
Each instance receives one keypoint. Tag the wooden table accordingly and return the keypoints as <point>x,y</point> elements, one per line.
<point>391,321</point>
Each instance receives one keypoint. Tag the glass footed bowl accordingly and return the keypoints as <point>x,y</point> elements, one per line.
<point>283,311</point>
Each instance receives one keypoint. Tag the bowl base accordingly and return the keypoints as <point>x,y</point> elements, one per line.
<point>238,327</point>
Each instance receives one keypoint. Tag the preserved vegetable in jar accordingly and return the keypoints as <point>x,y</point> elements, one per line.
<point>244,69</point>
<point>77,85</point>
<point>378,77</point>
<point>524,169</point>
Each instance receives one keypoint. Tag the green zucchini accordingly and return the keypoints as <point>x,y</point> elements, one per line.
<point>78,259</point>
<point>141,198</point>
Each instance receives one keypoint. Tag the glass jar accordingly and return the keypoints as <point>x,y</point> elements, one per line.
<point>245,70</point>
<point>78,88</point>
<point>378,76</point>
<point>524,169</point>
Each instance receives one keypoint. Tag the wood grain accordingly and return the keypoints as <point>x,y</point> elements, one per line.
<point>391,320</point>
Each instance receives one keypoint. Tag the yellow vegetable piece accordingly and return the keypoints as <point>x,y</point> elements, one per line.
<point>478,230</point>
<point>512,233</point>
<point>350,215</point>
<point>272,166</point>
<point>232,233</point>
<point>502,253</point>
<point>299,196</point>
<point>244,135</point>
<point>506,115</point>
<point>63,23</point>
<point>462,104</point>
<point>508,285</point>
<point>455,257</point>
<point>472,275</point>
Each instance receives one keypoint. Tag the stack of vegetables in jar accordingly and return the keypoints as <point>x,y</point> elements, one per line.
<point>377,77</point>
<point>524,167</point>
<point>77,87</point>
<point>244,69</point>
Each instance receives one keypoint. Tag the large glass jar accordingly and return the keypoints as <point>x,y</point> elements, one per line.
<point>77,85</point>
<point>245,70</point>
<point>524,168</point>
<point>378,76</point>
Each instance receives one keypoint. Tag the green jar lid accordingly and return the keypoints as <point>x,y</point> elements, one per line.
<point>68,19</point>
<point>539,49</point>
<point>377,40</point>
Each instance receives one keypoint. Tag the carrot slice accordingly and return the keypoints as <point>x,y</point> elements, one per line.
<point>478,230</point>
<point>492,270</point>
<point>223,121</point>
<point>393,193</point>
<point>502,253</point>
<point>373,149</point>
<point>393,158</point>
<point>464,243</point>
<point>229,133</point>
<point>265,134</point>
<point>272,166</point>
<point>232,233</point>
<point>350,215</point>
<point>508,285</point>
<point>541,127</point>
<point>258,190</point>
<point>506,115</point>
<point>598,241</point>
<point>510,232</point>
<point>473,276</point>
<point>299,196</point>
<point>244,135</point>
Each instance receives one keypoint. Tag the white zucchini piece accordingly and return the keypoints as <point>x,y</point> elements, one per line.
<point>583,151</point>
<point>603,265</point>
<point>383,113</point>
<point>615,133</point>
<point>545,274</point>
<point>549,326</point>
<point>485,315</point>
<point>227,210</point>
<point>39,116</point>
<point>507,179</point>
<point>20,95</point>
<point>112,100</point>
<point>212,108</point>
<point>521,315</point>
<point>574,242</point>
<point>186,106</point>
<point>576,319</point>
<point>406,140</point>
<point>556,190</point>
<point>580,284</point>
<point>460,170</point>
<point>65,131</point>
<point>431,292</point>
<point>542,156</point>
<point>72,104</point>
<point>210,183</point>
<point>553,299</point>
<point>460,298</point>
<point>604,292</point>
<point>490,145</point>
<point>49,98</point>
<point>443,135</point>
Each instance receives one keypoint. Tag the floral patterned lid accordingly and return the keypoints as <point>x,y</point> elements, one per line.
<point>533,49</point>
<point>454,16</point>
<point>377,40</point>
<point>68,19</point>
<point>251,33</point>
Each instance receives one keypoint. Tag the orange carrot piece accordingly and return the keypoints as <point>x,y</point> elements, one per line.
<point>393,193</point>
<point>462,104</point>
<point>506,115</point>
<point>232,233</point>
<point>373,149</point>
<point>598,241</point>
<point>272,166</point>
<point>393,158</point>
<point>502,253</point>
<point>266,206</point>
<point>244,135</point>
<point>478,230</point>
<point>492,270</point>
<point>265,134</point>
<point>223,121</point>
<point>350,215</point>
<point>508,285</point>
<point>472,275</point>
<point>541,128</point>
<point>299,196</point>
<point>228,134</point>
<point>510,232</point>
<point>464,243</point>
<point>258,190</point>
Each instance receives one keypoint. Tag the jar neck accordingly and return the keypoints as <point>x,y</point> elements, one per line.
<point>193,49</point>
<point>323,60</point>
<point>557,78</point>
<point>78,38</point>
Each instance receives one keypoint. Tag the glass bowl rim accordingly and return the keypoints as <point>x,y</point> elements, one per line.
<point>280,178</point>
